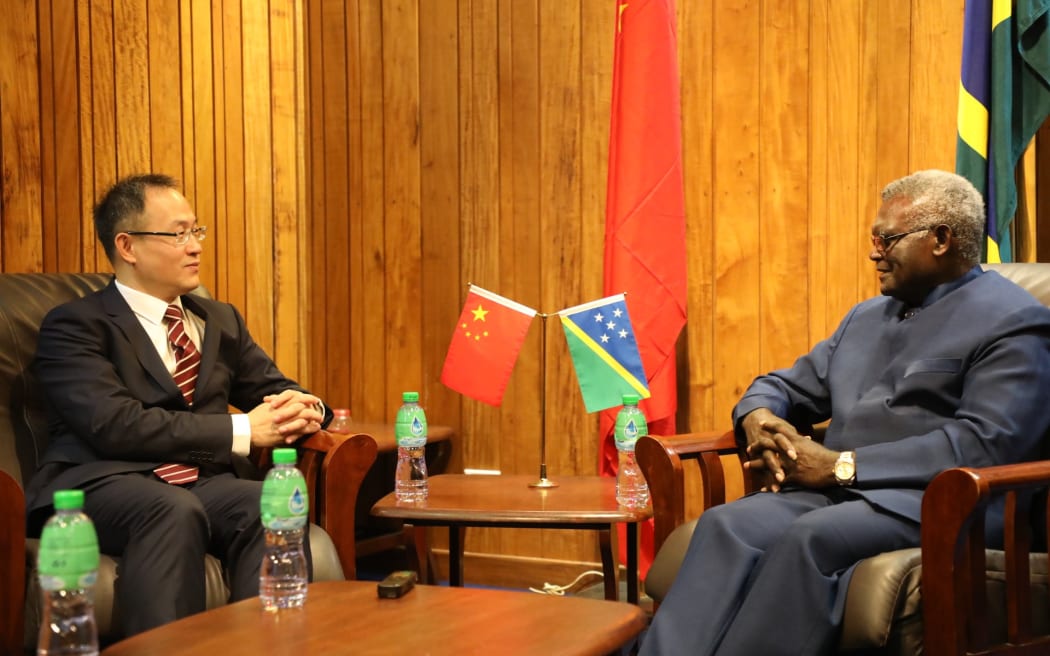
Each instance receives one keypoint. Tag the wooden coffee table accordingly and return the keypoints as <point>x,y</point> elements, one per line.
<point>343,617</point>
<point>579,502</point>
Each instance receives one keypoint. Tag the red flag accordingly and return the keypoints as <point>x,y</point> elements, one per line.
<point>485,345</point>
<point>645,209</point>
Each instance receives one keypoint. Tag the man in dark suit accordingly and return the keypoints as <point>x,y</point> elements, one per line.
<point>949,368</point>
<point>139,378</point>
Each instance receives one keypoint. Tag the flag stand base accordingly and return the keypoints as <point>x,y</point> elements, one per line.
<point>543,483</point>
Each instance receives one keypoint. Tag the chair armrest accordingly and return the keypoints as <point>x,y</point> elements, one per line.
<point>334,466</point>
<point>661,461</point>
<point>12,563</point>
<point>346,460</point>
<point>953,560</point>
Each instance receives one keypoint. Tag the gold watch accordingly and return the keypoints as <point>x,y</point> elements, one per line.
<point>845,469</point>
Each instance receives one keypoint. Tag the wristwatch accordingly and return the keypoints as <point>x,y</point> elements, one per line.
<point>845,469</point>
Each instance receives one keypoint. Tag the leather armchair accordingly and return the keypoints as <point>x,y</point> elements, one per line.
<point>334,467</point>
<point>951,596</point>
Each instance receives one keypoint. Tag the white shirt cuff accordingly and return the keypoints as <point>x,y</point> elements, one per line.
<point>242,434</point>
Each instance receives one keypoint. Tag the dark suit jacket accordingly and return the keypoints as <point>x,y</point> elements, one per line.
<point>962,383</point>
<point>114,408</point>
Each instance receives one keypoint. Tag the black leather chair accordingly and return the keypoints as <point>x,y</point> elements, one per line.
<point>24,300</point>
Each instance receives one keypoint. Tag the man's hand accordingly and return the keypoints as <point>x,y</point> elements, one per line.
<point>284,418</point>
<point>769,442</point>
<point>775,447</point>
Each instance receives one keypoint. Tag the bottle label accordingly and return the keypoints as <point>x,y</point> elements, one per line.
<point>49,583</point>
<point>410,428</point>
<point>630,425</point>
<point>68,557</point>
<point>285,503</point>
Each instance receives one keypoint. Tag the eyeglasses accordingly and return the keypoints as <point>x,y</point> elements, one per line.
<point>883,243</point>
<point>182,237</point>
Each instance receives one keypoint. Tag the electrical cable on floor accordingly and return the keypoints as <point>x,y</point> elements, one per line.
<point>559,590</point>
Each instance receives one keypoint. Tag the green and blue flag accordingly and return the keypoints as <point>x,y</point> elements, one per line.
<point>1004,97</point>
<point>604,352</point>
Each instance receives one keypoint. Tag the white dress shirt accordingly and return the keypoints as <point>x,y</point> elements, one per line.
<point>149,310</point>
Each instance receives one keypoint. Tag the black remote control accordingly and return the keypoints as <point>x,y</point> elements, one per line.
<point>396,584</point>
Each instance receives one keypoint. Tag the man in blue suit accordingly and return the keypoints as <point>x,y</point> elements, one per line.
<point>949,368</point>
<point>139,378</point>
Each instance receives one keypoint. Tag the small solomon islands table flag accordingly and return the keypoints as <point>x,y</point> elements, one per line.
<point>485,345</point>
<point>604,352</point>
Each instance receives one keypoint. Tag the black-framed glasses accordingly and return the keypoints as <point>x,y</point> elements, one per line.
<point>883,243</point>
<point>182,237</point>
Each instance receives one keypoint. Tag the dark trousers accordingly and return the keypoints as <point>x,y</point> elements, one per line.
<point>767,574</point>
<point>161,534</point>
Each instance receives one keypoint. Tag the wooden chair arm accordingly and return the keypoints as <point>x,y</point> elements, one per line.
<point>953,556</point>
<point>334,466</point>
<point>660,458</point>
<point>12,564</point>
<point>346,461</point>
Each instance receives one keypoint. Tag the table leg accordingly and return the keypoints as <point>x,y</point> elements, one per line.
<point>419,557</point>
<point>609,568</point>
<point>632,563</point>
<point>455,555</point>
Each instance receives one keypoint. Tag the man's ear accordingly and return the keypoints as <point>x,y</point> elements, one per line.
<point>125,248</point>
<point>944,236</point>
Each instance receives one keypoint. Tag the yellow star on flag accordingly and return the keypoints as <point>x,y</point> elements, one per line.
<point>479,314</point>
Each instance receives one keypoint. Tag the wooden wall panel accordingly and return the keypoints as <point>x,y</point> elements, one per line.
<point>131,87</point>
<point>20,124</point>
<point>783,159</point>
<point>402,234</point>
<point>795,114</point>
<point>439,150</point>
<point>165,136</point>
<point>369,400</point>
<point>48,183</point>
<point>360,161</point>
<point>736,111</point>
<point>71,225</point>
<point>126,86</point>
<point>287,170</point>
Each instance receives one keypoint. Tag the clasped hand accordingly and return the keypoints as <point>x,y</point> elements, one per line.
<point>285,417</point>
<point>785,456</point>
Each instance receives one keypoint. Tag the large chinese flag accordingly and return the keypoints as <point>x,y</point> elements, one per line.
<point>485,345</point>
<point>645,208</point>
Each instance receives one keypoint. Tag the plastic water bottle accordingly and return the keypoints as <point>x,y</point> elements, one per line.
<point>285,504</point>
<point>68,568</point>
<point>631,488</point>
<point>410,429</point>
<point>340,421</point>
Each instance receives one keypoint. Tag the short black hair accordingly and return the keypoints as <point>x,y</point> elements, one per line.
<point>122,204</point>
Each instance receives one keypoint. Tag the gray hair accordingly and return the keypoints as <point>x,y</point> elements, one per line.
<point>940,197</point>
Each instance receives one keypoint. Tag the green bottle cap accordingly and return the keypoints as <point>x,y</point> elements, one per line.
<point>630,399</point>
<point>410,397</point>
<point>284,456</point>
<point>68,499</point>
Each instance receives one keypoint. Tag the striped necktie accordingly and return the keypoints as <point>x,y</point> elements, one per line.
<point>187,364</point>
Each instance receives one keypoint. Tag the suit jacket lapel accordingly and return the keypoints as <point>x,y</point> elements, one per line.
<point>125,319</point>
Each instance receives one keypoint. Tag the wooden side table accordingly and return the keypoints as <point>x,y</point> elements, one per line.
<point>343,617</point>
<point>336,500</point>
<point>579,502</point>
